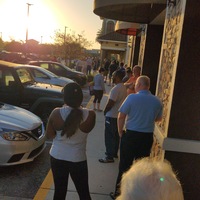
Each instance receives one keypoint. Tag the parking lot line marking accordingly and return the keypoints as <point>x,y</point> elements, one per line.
<point>90,103</point>
<point>44,188</point>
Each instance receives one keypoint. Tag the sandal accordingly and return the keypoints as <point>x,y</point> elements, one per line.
<point>106,160</point>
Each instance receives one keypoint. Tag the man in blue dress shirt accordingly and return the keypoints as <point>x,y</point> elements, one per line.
<point>138,115</point>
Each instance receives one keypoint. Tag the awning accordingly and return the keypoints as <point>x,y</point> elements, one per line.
<point>127,28</point>
<point>137,11</point>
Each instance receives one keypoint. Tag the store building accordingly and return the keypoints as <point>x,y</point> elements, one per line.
<point>169,45</point>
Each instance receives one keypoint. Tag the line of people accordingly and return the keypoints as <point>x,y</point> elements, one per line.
<point>128,78</point>
<point>129,125</point>
<point>129,119</point>
<point>87,65</point>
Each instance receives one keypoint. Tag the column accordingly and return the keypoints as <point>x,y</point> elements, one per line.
<point>177,137</point>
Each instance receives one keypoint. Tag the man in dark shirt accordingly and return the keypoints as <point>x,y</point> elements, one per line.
<point>106,67</point>
<point>113,67</point>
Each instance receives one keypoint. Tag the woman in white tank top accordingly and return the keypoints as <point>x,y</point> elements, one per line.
<point>69,126</point>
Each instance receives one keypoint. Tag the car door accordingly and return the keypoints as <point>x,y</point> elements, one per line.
<point>58,70</point>
<point>9,87</point>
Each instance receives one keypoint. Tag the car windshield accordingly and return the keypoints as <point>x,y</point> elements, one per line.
<point>24,76</point>
<point>67,68</point>
<point>48,72</point>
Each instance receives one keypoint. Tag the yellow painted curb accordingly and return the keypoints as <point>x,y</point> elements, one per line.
<point>44,188</point>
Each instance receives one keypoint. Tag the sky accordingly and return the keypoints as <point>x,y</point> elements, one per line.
<point>47,16</point>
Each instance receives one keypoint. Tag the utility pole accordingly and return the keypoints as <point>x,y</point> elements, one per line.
<point>65,34</point>
<point>65,48</point>
<point>28,4</point>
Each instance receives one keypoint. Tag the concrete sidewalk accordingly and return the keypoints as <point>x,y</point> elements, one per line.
<point>102,176</point>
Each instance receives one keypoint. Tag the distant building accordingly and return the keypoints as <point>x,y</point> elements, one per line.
<point>93,52</point>
<point>113,44</point>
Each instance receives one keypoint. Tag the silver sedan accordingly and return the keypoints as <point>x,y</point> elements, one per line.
<point>22,135</point>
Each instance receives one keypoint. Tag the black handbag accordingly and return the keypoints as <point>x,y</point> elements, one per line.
<point>91,90</point>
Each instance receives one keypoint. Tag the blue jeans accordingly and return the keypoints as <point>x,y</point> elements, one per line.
<point>111,137</point>
<point>79,174</point>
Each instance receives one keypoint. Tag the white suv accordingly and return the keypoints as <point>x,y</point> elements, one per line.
<point>22,135</point>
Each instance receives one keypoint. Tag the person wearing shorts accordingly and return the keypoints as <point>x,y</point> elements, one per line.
<point>99,89</point>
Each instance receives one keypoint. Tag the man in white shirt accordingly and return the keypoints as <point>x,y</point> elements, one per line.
<point>115,99</point>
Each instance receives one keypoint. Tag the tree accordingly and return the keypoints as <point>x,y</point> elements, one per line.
<point>99,34</point>
<point>71,46</point>
<point>13,46</point>
<point>1,44</point>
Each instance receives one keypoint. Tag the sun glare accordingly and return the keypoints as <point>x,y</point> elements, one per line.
<point>40,21</point>
<point>44,18</point>
<point>11,20</point>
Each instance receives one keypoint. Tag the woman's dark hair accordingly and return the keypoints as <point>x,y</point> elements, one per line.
<point>119,73</point>
<point>129,71</point>
<point>73,97</point>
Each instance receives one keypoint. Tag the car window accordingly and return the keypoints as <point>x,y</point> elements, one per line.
<point>24,75</point>
<point>44,65</point>
<point>57,68</point>
<point>39,74</point>
<point>6,78</point>
<point>49,73</point>
<point>68,69</point>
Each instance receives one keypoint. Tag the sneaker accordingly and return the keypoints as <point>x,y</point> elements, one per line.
<point>115,156</point>
<point>106,160</point>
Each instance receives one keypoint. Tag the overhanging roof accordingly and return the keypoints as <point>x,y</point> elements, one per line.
<point>127,28</point>
<point>113,36</point>
<point>137,11</point>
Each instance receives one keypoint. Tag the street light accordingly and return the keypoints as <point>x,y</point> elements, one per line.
<point>28,4</point>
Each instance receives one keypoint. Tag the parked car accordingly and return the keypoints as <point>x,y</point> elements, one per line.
<point>22,135</point>
<point>42,75</point>
<point>17,87</point>
<point>16,57</point>
<point>61,70</point>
